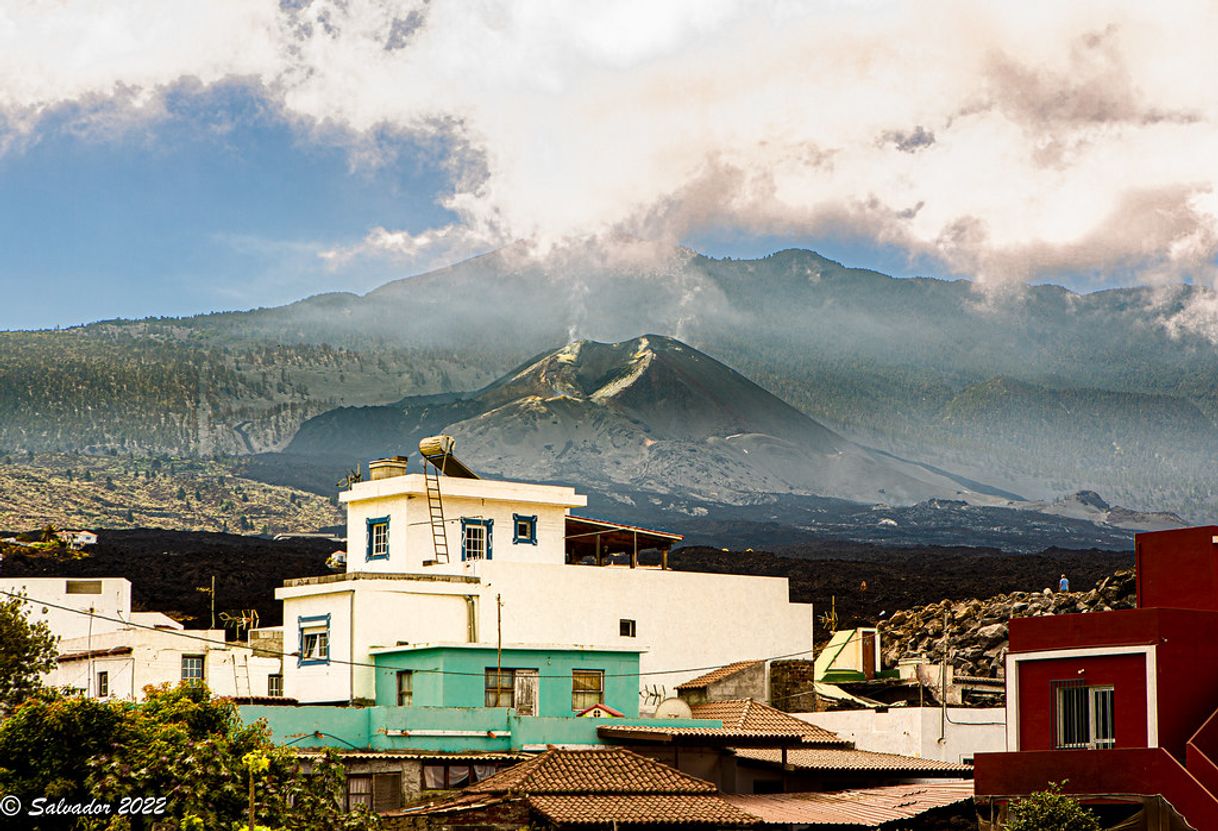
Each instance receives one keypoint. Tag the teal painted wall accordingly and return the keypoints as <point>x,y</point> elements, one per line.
<point>456,677</point>
<point>431,728</point>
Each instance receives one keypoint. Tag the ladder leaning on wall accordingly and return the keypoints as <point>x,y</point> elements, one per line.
<point>435,505</point>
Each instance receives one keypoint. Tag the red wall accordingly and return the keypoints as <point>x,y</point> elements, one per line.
<point>1178,569</point>
<point>1126,673</point>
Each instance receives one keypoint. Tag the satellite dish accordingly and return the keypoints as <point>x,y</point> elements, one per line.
<point>673,708</point>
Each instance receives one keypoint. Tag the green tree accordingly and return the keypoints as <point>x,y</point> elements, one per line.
<point>180,743</point>
<point>26,651</point>
<point>1050,810</point>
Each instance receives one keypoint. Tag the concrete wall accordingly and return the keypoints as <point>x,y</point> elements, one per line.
<point>156,658</point>
<point>915,731</point>
<point>112,599</point>
<point>685,622</point>
<point>404,500</point>
<point>455,676</point>
<point>449,729</point>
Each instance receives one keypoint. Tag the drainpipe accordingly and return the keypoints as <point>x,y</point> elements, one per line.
<point>351,646</point>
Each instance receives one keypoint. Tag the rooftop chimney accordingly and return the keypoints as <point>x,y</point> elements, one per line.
<point>387,468</point>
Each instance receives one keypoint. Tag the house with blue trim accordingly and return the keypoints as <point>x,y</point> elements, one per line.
<point>446,571</point>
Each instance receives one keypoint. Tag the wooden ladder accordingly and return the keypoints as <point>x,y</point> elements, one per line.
<point>435,505</point>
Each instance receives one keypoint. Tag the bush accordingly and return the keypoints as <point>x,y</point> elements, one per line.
<point>1050,810</point>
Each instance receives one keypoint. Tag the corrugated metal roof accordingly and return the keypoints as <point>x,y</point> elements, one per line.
<point>423,755</point>
<point>864,808</point>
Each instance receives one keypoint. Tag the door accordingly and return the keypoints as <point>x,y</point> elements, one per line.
<point>525,692</point>
<point>869,655</point>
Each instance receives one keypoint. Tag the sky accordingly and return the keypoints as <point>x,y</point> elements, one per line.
<point>168,158</point>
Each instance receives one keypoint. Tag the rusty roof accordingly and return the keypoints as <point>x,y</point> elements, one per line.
<point>609,770</point>
<point>715,675</point>
<point>865,807</point>
<point>749,714</point>
<point>843,759</point>
<point>421,755</point>
<point>634,809</point>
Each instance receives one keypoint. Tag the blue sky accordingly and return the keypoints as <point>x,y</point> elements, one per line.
<point>168,157</point>
<point>221,205</point>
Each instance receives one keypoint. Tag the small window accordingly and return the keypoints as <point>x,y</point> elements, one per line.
<point>587,688</point>
<point>524,529</point>
<point>378,538</point>
<point>375,791</point>
<point>445,777</point>
<point>103,684</point>
<point>405,688</point>
<point>192,669</point>
<point>314,640</point>
<point>476,538</point>
<point>500,688</point>
<point>626,628</point>
<point>1086,716</point>
<point>84,587</point>
<point>274,686</point>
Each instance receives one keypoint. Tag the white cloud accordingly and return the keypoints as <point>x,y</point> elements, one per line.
<point>1008,141</point>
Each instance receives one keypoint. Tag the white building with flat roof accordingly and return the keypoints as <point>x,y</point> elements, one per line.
<point>108,651</point>
<point>456,558</point>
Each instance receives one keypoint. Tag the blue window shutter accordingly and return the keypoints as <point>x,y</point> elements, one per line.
<point>368,551</point>
<point>464,523</point>
<point>490,525</point>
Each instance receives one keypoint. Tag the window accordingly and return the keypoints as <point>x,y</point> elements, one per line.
<point>84,587</point>
<point>500,688</point>
<point>314,640</point>
<point>375,791</point>
<point>524,529</point>
<point>1086,716</point>
<point>446,777</point>
<point>626,628</point>
<point>103,684</point>
<point>587,688</point>
<point>378,539</point>
<point>192,669</point>
<point>405,688</point>
<point>476,538</point>
<point>274,686</point>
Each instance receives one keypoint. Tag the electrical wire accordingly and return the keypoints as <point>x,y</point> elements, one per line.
<point>280,653</point>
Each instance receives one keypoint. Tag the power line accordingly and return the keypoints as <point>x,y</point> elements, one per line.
<point>280,653</point>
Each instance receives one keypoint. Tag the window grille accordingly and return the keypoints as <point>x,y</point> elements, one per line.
<point>1085,715</point>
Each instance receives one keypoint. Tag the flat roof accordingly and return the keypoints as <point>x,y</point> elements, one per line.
<point>523,647</point>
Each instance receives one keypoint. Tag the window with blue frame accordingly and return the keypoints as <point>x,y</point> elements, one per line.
<point>476,538</point>
<point>524,529</point>
<point>378,538</point>
<point>314,640</point>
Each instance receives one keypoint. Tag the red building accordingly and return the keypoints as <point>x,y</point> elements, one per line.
<point>1121,705</point>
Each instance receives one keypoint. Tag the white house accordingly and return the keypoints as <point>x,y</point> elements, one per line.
<point>107,651</point>
<point>458,559</point>
<point>119,664</point>
<point>80,607</point>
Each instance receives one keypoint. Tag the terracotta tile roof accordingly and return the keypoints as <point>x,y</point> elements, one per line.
<point>96,653</point>
<point>704,681</point>
<point>841,759</point>
<point>748,714</point>
<point>610,770</point>
<point>865,808</point>
<point>640,810</point>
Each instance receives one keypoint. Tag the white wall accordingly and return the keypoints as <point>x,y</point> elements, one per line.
<point>685,622</point>
<point>156,658</point>
<point>403,499</point>
<point>113,601</point>
<point>915,731</point>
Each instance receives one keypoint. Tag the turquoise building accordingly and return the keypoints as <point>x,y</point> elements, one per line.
<point>548,681</point>
<point>470,697</point>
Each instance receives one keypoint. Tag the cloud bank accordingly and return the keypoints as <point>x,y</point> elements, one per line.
<point>1007,142</point>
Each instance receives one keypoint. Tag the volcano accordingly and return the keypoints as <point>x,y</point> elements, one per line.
<point>650,414</point>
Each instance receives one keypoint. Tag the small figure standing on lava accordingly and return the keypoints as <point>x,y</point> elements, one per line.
<point>1063,585</point>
